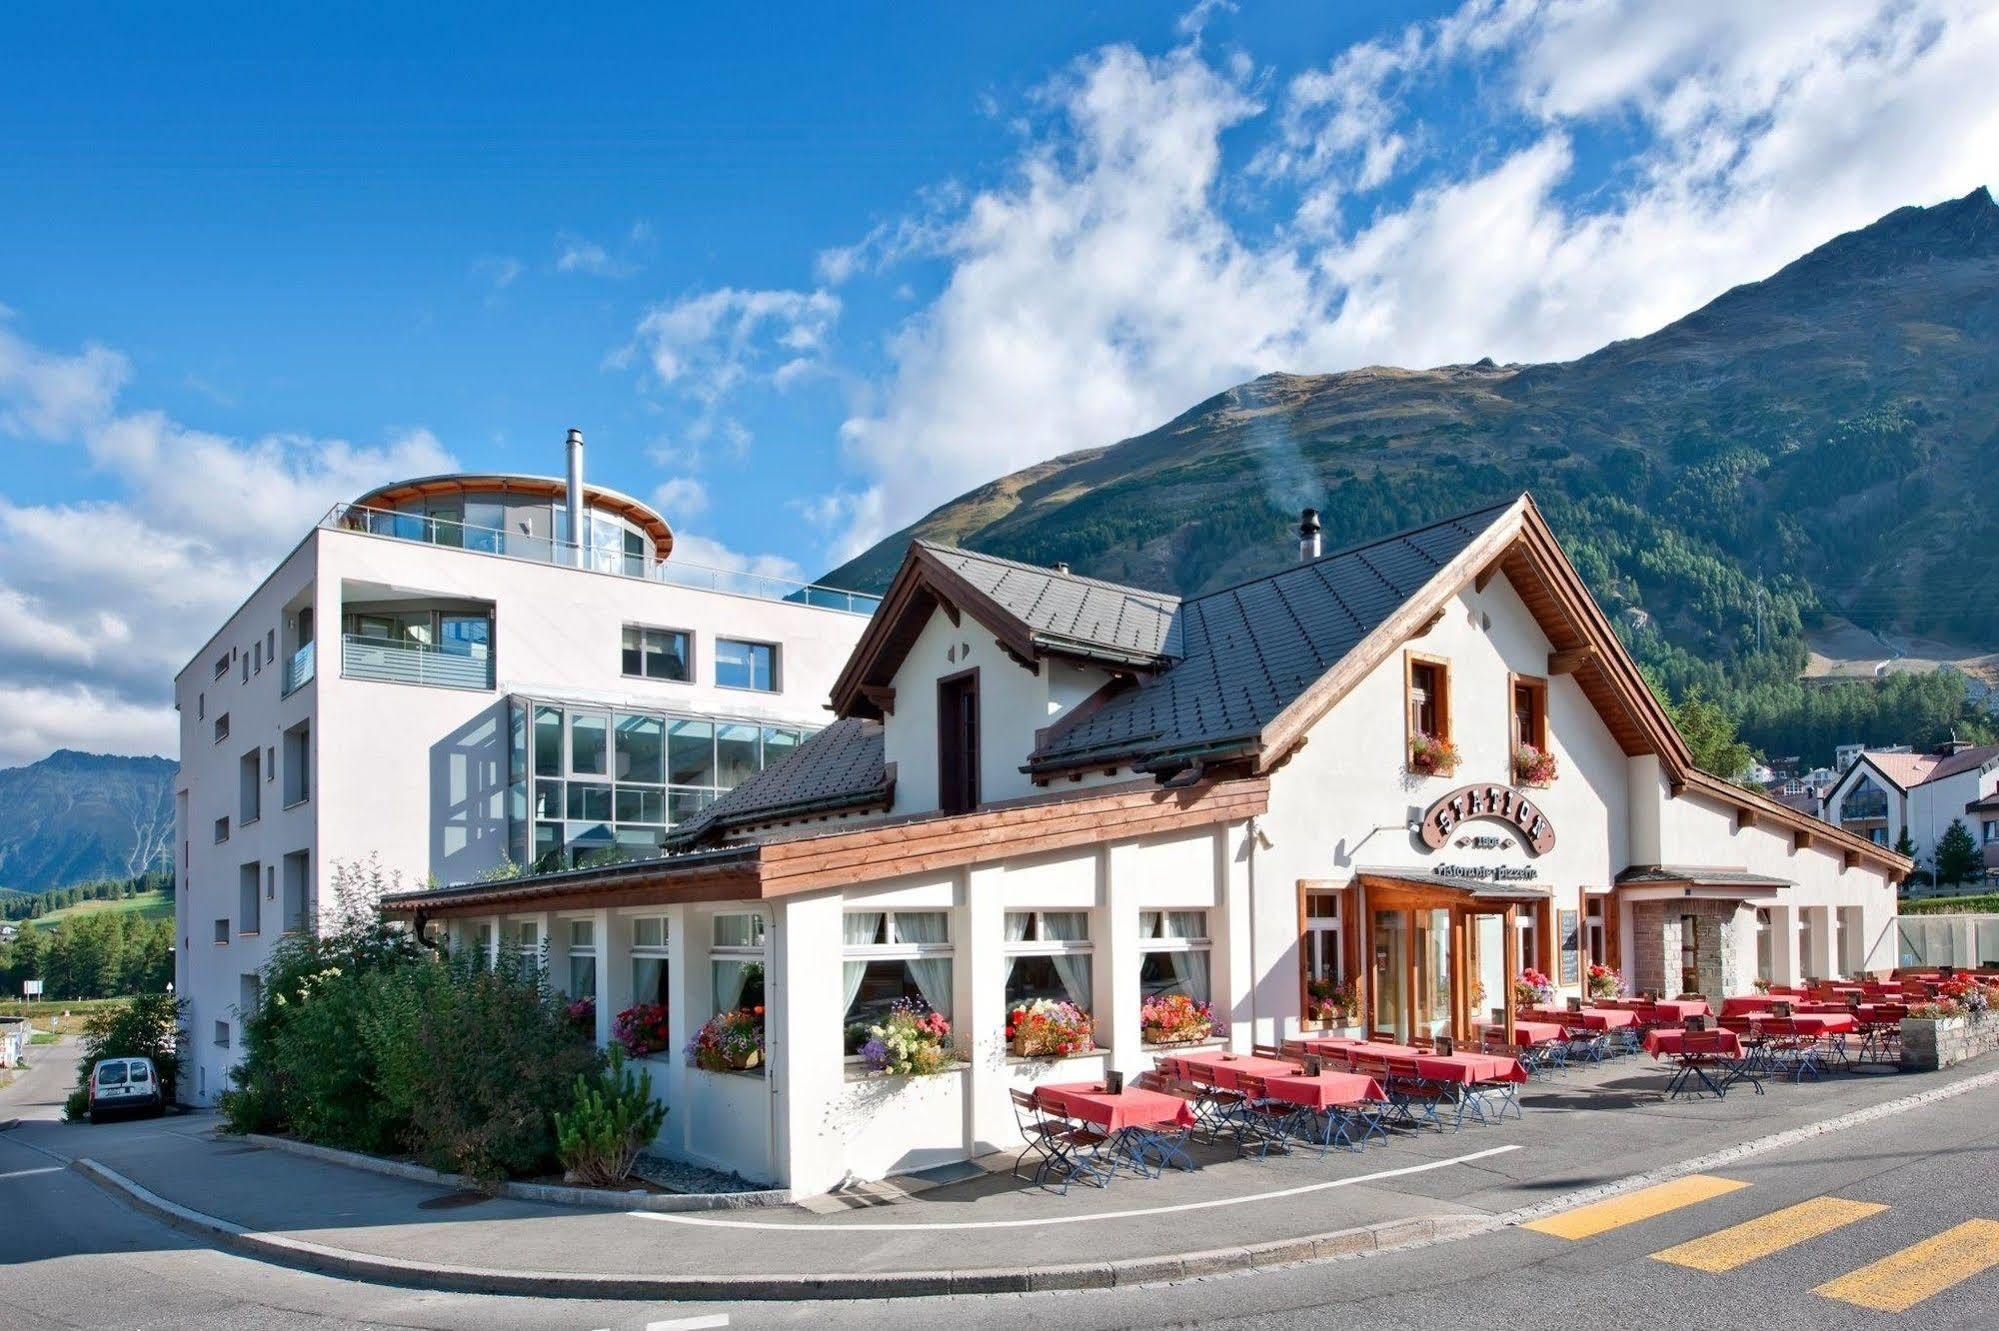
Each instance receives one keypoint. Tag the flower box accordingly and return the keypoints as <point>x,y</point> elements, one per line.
<point>1534,766</point>
<point>730,1041</point>
<point>1048,1028</point>
<point>1175,1019</point>
<point>1430,756</point>
<point>912,1041</point>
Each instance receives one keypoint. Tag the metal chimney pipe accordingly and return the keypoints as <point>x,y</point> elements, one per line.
<point>573,498</point>
<point>1308,535</point>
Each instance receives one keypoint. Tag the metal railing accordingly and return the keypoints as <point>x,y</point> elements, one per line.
<point>428,530</point>
<point>299,670</point>
<point>387,662</point>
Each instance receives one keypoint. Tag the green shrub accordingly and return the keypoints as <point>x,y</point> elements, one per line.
<point>148,1026</point>
<point>76,1107</point>
<point>367,1040</point>
<point>611,1118</point>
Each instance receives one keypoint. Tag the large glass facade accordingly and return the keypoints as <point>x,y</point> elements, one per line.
<point>596,784</point>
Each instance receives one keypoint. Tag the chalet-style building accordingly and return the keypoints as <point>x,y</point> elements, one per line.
<point>1040,784</point>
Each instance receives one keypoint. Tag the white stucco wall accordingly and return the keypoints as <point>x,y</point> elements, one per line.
<point>417,775</point>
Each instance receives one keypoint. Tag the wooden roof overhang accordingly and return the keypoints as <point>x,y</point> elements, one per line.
<point>1418,889</point>
<point>924,584</point>
<point>787,866</point>
<point>1523,547</point>
<point>611,501</point>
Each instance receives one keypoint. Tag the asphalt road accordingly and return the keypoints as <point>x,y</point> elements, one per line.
<point>1909,1191</point>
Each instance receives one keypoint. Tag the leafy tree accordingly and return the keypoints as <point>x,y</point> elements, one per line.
<point>1957,858</point>
<point>149,1026</point>
<point>1710,733</point>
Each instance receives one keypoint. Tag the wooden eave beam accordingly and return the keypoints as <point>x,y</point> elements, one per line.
<point>1570,659</point>
<point>881,696</point>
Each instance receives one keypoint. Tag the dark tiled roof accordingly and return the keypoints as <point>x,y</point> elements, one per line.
<point>1065,608</point>
<point>1247,652</point>
<point>840,767</point>
<point>1698,875</point>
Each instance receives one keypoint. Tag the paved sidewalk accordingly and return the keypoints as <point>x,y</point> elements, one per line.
<point>1586,1129</point>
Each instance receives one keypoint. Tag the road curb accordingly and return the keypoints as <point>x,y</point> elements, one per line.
<point>1383,1237</point>
<point>609,1199</point>
<point>1775,1141</point>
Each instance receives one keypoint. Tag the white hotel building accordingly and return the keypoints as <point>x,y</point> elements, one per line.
<point>1046,785</point>
<point>376,696</point>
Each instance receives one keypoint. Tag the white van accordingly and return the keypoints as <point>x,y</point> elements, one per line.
<point>120,1085</point>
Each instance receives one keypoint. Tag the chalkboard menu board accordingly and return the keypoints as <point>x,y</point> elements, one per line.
<point>1568,928</point>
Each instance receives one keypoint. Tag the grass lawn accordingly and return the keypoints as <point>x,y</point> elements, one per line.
<point>44,1037</point>
<point>148,905</point>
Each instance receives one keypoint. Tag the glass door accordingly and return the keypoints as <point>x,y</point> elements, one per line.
<point>1391,974</point>
<point>1432,981</point>
<point>1488,967</point>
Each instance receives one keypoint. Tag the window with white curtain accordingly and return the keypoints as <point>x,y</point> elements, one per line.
<point>649,937</point>
<point>582,959</point>
<point>736,960</point>
<point>1324,957</point>
<point>1174,947</point>
<point>890,957</point>
<point>1048,956</point>
<point>527,942</point>
<point>482,944</point>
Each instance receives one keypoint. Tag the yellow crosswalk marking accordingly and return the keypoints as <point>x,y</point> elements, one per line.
<point>1901,1280</point>
<point>1739,1245</point>
<point>1586,1221</point>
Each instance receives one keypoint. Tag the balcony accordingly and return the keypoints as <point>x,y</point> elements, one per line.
<point>426,530</point>
<point>299,670</point>
<point>384,662</point>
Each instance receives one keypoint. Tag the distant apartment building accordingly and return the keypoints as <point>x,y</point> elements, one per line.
<point>1886,791</point>
<point>380,694</point>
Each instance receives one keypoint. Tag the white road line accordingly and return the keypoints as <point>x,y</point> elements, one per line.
<point>683,1218</point>
<point>24,1173</point>
<point>690,1323</point>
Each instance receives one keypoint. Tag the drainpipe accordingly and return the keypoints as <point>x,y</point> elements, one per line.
<point>573,499</point>
<point>1254,836</point>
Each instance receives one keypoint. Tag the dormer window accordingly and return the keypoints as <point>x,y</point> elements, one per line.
<point>958,742</point>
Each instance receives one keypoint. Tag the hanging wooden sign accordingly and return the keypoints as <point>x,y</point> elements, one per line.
<point>1503,803</point>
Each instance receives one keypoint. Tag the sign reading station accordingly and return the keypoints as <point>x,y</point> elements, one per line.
<point>1503,803</point>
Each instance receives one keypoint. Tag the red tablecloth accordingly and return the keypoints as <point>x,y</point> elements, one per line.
<point>1410,1062</point>
<point>1525,1032</point>
<point>1227,1067</point>
<point>1675,1009</point>
<point>1129,1108</point>
<point>1810,1023</point>
<point>1665,1043</point>
<point>1589,1018</point>
<point>1746,1003</point>
<point>1468,1068</point>
<point>1325,1090</point>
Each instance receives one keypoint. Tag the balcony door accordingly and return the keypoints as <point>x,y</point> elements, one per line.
<point>958,742</point>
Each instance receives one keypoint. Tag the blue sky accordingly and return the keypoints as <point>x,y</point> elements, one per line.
<point>803,277</point>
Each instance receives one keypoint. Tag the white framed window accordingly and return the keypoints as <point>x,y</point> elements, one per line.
<point>649,941</point>
<point>1174,954</point>
<point>650,653</point>
<point>1325,959</point>
<point>222,1034</point>
<point>890,957</point>
<point>736,962</point>
<point>526,940</point>
<point>1049,955</point>
<point>582,939</point>
<point>482,944</point>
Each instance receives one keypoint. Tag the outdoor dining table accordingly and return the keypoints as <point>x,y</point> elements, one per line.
<point>1801,1023</point>
<point>1131,1107</point>
<point>1227,1067</point>
<point>1525,1032</point>
<point>1674,1009</point>
<point>1139,1122</point>
<point>1696,1052</point>
<point>1588,1018</point>
<point>1326,1090</point>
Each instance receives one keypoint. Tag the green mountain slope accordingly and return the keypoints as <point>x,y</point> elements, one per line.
<point>76,816</point>
<point>1815,443</point>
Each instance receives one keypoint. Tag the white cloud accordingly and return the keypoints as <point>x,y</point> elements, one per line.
<point>680,497</point>
<point>736,570</point>
<point>708,346</point>
<point>102,602</point>
<point>578,254</point>
<point>1436,208</point>
<point>36,720</point>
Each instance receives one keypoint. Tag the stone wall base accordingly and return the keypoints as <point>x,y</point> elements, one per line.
<point>1930,1043</point>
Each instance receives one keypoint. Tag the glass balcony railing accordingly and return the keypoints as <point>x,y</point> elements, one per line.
<point>387,662</point>
<point>299,670</point>
<point>430,530</point>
